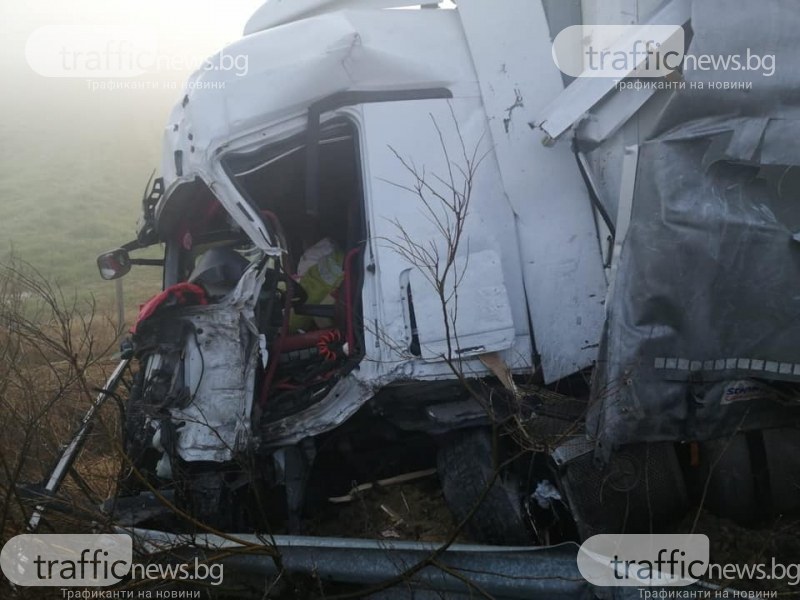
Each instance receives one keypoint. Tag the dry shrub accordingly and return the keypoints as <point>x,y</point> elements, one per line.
<point>53,357</point>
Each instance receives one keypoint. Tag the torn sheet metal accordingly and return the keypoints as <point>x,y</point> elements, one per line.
<point>706,306</point>
<point>221,360</point>
<point>561,263</point>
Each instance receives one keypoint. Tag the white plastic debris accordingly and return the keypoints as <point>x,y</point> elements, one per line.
<point>545,493</point>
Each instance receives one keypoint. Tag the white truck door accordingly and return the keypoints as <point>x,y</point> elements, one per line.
<point>408,186</point>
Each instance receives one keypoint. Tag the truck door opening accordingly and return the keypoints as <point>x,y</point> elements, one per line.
<point>311,311</point>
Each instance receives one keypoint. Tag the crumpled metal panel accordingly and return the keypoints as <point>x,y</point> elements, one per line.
<point>221,359</point>
<point>287,69</point>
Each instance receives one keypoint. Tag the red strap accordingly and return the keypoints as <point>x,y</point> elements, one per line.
<point>183,294</point>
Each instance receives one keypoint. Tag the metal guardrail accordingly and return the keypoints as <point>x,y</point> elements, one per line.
<point>462,571</point>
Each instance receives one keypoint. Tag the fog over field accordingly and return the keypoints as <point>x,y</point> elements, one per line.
<point>74,161</point>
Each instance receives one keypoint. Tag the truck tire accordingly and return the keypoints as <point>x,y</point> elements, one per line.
<point>466,467</point>
<point>640,488</point>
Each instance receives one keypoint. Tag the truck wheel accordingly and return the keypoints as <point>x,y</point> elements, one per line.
<point>640,488</point>
<point>466,467</point>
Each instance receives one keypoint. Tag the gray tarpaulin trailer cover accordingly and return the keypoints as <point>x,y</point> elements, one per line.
<point>703,323</point>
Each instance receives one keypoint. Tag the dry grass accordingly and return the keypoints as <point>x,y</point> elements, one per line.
<point>53,357</point>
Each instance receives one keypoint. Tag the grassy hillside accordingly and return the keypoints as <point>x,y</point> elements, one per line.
<point>73,161</point>
<point>73,166</point>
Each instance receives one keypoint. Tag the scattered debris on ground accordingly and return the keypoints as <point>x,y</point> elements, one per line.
<point>413,510</point>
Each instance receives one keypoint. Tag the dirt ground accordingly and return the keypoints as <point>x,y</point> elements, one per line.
<point>734,544</point>
<point>417,511</point>
<point>412,511</point>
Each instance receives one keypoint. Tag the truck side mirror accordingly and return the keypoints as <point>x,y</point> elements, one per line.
<point>114,264</point>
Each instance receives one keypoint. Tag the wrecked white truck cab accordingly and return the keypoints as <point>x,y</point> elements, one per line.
<point>403,150</point>
<point>345,87</point>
